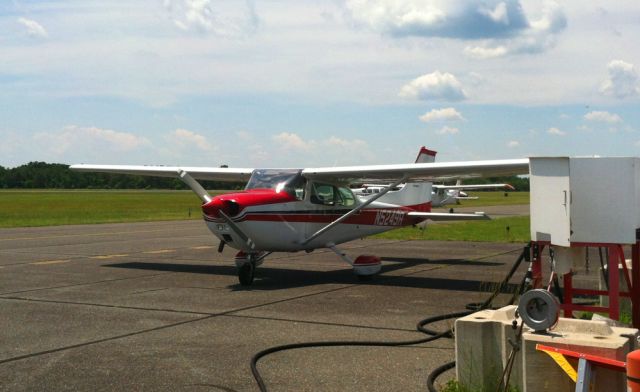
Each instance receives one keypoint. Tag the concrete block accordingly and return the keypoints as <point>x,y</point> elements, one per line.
<point>482,351</point>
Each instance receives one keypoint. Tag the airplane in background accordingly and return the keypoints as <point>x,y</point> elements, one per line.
<point>441,195</point>
<point>291,210</point>
<point>452,194</point>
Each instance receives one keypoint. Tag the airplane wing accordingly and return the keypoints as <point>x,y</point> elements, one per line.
<point>344,175</point>
<point>199,173</point>
<point>444,216</point>
<point>418,171</point>
<point>472,187</point>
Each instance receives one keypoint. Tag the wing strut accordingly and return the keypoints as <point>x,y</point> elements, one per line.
<point>194,185</point>
<point>355,210</point>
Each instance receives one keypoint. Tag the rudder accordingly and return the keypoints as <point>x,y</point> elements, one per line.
<point>426,156</point>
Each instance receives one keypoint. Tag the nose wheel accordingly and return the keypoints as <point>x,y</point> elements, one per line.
<point>246,273</point>
<point>246,264</point>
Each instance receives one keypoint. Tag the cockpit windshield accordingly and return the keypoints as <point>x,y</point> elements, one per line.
<point>287,180</point>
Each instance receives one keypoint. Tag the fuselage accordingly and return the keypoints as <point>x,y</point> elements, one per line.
<point>281,212</point>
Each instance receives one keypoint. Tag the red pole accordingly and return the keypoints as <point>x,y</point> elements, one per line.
<point>614,282</point>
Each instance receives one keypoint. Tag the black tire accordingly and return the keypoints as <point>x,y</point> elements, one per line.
<point>245,274</point>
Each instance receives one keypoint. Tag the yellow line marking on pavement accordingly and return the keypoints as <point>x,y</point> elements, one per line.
<point>50,262</point>
<point>202,247</point>
<point>160,251</point>
<point>82,235</point>
<point>103,257</point>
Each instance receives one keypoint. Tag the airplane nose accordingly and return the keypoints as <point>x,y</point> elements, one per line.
<point>229,207</point>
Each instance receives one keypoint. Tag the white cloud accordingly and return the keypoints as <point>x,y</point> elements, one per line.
<point>332,150</point>
<point>513,144</point>
<point>75,138</point>
<point>292,141</point>
<point>445,114</point>
<point>498,14</point>
<point>622,82</point>
<point>479,52</point>
<point>556,132</point>
<point>446,130</point>
<point>33,28</point>
<point>602,116</point>
<point>434,86</point>
<point>539,36</point>
<point>185,139</point>
<point>335,141</point>
<point>504,26</point>
<point>224,18</point>
<point>433,18</point>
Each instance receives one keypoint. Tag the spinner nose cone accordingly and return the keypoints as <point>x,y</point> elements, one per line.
<point>229,206</point>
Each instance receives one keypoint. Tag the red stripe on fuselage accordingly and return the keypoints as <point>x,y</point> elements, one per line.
<point>373,216</point>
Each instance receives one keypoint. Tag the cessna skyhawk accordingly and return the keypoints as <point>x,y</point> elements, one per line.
<point>290,210</point>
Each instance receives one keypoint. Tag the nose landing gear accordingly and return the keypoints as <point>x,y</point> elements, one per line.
<point>246,264</point>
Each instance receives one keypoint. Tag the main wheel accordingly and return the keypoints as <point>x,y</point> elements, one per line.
<point>245,274</point>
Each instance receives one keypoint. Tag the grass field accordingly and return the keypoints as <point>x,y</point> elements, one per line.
<point>49,207</point>
<point>512,229</point>
<point>21,208</point>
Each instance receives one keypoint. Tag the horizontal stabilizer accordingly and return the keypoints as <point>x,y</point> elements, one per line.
<point>445,216</point>
<point>460,187</point>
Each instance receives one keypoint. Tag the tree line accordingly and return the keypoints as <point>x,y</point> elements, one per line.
<point>42,175</point>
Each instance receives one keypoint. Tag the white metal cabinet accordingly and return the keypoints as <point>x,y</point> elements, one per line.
<point>585,200</point>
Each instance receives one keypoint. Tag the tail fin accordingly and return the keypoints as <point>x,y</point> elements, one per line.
<point>426,156</point>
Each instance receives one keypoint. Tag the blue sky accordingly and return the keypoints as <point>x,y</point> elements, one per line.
<point>312,83</point>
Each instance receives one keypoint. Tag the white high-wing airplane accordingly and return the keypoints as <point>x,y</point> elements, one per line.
<point>441,195</point>
<point>294,210</point>
<point>452,194</point>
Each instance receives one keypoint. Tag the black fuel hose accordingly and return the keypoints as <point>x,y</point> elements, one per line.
<point>433,335</point>
<point>437,372</point>
<point>421,327</point>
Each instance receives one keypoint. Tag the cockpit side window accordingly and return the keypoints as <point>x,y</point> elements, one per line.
<point>347,196</point>
<point>330,195</point>
<point>322,194</point>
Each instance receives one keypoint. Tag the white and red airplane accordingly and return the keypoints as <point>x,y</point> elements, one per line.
<point>441,195</point>
<point>290,210</point>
